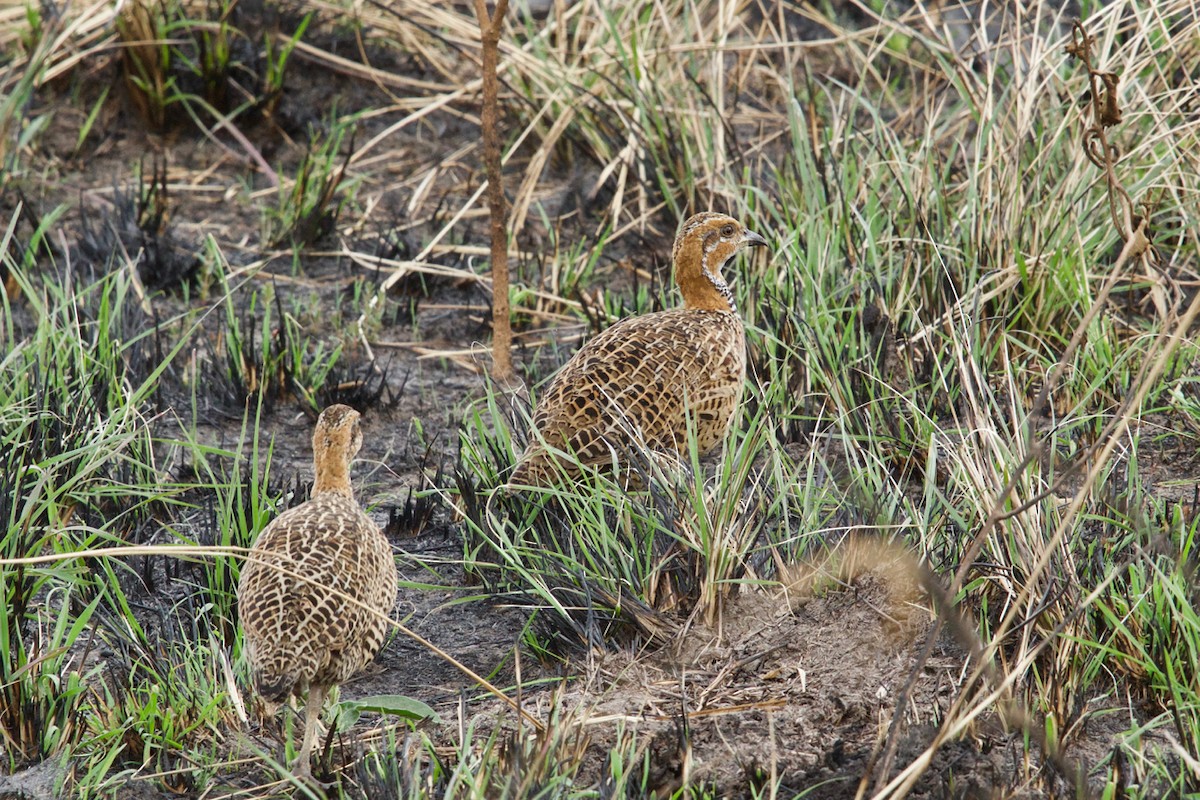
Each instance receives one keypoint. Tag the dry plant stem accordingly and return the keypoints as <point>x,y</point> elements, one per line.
<point>209,551</point>
<point>900,785</point>
<point>1105,112</point>
<point>400,269</point>
<point>1137,245</point>
<point>489,30</point>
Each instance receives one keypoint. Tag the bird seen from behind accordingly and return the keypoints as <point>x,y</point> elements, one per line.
<point>314,595</point>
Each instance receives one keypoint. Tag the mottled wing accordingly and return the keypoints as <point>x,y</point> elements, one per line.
<point>380,594</point>
<point>299,628</point>
<point>636,385</point>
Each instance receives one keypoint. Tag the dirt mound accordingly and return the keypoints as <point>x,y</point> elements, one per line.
<point>788,686</point>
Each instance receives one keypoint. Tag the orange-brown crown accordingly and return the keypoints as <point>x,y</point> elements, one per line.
<point>705,244</point>
<point>336,441</point>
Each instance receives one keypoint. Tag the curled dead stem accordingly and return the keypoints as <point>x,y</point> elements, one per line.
<point>987,677</point>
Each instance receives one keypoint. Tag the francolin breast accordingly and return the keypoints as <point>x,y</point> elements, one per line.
<point>301,634</point>
<point>646,380</point>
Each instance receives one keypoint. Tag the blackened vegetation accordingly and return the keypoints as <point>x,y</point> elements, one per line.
<point>61,440</point>
<point>14,205</point>
<point>149,661</point>
<point>361,386</point>
<point>29,705</point>
<point>241,367</point>
<point>204,591</point>
<point>41,494</point>
<point>260,356</point>
<point>177,67</point>
<point>135,229</point>
<point>411,769</point>
<point>409,288</point>
<point>413,517</point>
<point>151,574</point>
<point>408,292</point>
<point>72,463</point>
<point>19,585</point>
<point>138,342</point>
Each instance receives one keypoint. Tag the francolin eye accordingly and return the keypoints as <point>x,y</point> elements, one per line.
<point>727,231</point>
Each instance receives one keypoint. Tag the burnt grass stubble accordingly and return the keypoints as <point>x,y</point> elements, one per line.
<point>807,686</point>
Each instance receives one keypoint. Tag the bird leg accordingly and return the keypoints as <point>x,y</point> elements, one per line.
<point>312,713</point>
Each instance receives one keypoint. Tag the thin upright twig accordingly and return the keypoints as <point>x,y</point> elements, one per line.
<point>489,31</point>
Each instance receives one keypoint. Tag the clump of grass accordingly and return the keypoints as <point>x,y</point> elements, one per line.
<point>135,231</point>
<point>147,61</point>
<point>43,689</point>
<point>260,353</point>
<point>78,467</point>
<point>308,211</point>
<point>202,63</point>
<point>600,562</point>
<point>163,703</point>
